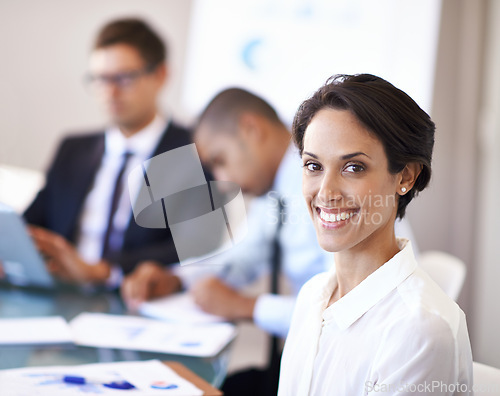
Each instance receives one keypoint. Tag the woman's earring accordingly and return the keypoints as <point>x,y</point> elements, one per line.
<point>403,189</point>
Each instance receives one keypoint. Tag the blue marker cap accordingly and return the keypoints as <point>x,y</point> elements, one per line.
<point>73,379</point>
<point>119,385</point>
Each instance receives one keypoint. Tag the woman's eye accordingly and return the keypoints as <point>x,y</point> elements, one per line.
<point>312,166</point>
<point>354,168</point>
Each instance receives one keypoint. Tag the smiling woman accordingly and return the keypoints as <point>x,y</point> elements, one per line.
<point>375,322</point>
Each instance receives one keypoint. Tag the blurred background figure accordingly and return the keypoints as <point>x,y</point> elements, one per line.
<point>82,219</point>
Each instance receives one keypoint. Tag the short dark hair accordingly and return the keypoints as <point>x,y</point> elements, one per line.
<point>404,129</point>
<point>136,33</point>
<point>228,105</point>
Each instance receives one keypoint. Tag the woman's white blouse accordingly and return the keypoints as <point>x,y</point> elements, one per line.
<point>395,333</point>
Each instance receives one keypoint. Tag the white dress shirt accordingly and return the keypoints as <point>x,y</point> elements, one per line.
<point>396,332</point>
<point>93,219</point>
<point>301,255</point>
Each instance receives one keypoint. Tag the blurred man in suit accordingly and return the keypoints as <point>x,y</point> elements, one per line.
<point>82,219</point>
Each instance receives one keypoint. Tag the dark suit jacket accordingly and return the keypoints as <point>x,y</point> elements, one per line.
<point>58,205</point>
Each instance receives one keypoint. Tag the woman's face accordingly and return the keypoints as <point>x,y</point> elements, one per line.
<point>350,193</point>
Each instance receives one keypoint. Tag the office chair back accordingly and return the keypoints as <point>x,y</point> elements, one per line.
<point>486,379</point>
<point>445,269</point>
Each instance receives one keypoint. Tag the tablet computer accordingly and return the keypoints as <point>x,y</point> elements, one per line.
<point>22,263</point>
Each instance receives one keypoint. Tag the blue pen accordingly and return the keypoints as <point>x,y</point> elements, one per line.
<point>74,379</point>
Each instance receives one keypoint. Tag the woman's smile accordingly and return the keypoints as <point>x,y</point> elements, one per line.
<point>332,218</point>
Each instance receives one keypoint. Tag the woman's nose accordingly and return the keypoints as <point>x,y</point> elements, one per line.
<point>330,189</point>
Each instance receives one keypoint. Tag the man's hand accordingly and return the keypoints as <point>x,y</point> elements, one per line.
<point>215,297</point>
<point>63,260</point>
<point>149,280</point>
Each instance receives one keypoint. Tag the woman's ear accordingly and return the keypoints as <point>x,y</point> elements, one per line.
<point>409,176</point>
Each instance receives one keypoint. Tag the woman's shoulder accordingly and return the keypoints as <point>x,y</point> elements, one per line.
<point>316,284</point>
<point>315,291</point>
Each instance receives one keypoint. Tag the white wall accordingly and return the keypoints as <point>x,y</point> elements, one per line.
<point>460,212</point>
<point>486,325</point>
<point>44,48</point>
<point>444,216</point>
<point>285,50</point>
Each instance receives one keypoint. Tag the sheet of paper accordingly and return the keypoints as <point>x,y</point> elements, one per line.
<point>34,331</point>
<point>135,333</point>
<point>178,308</point>
<point>147,376</point>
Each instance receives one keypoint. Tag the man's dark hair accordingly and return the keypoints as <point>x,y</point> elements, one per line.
<point>136,33</point>
<point>404,129</point>
<point>228,105</point>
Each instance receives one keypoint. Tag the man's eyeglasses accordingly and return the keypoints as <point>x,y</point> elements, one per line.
<point>120,80</point>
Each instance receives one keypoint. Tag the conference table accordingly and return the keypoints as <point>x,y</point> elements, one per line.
<point>16,302</point>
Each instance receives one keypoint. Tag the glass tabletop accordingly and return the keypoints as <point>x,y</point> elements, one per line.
<point>21,302</point>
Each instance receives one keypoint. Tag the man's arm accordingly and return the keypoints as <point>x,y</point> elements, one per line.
<point>64,261</point>
<point>270,312</point>
<point>239,266</point>
<point>36,213</point>
<point>215,297</point>
<point>148,281</point>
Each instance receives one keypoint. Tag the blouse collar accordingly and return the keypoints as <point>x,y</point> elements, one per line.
<point>372,289</point>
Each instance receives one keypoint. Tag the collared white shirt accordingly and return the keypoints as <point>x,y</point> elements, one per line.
<point>95,213</point>
<point>396,332</point>
<point>302,257</point>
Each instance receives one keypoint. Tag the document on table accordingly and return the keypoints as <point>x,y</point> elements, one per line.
<point>141,334</point>
<point>178,308</point>
<point>35,331</point>
<point>148,377</point>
